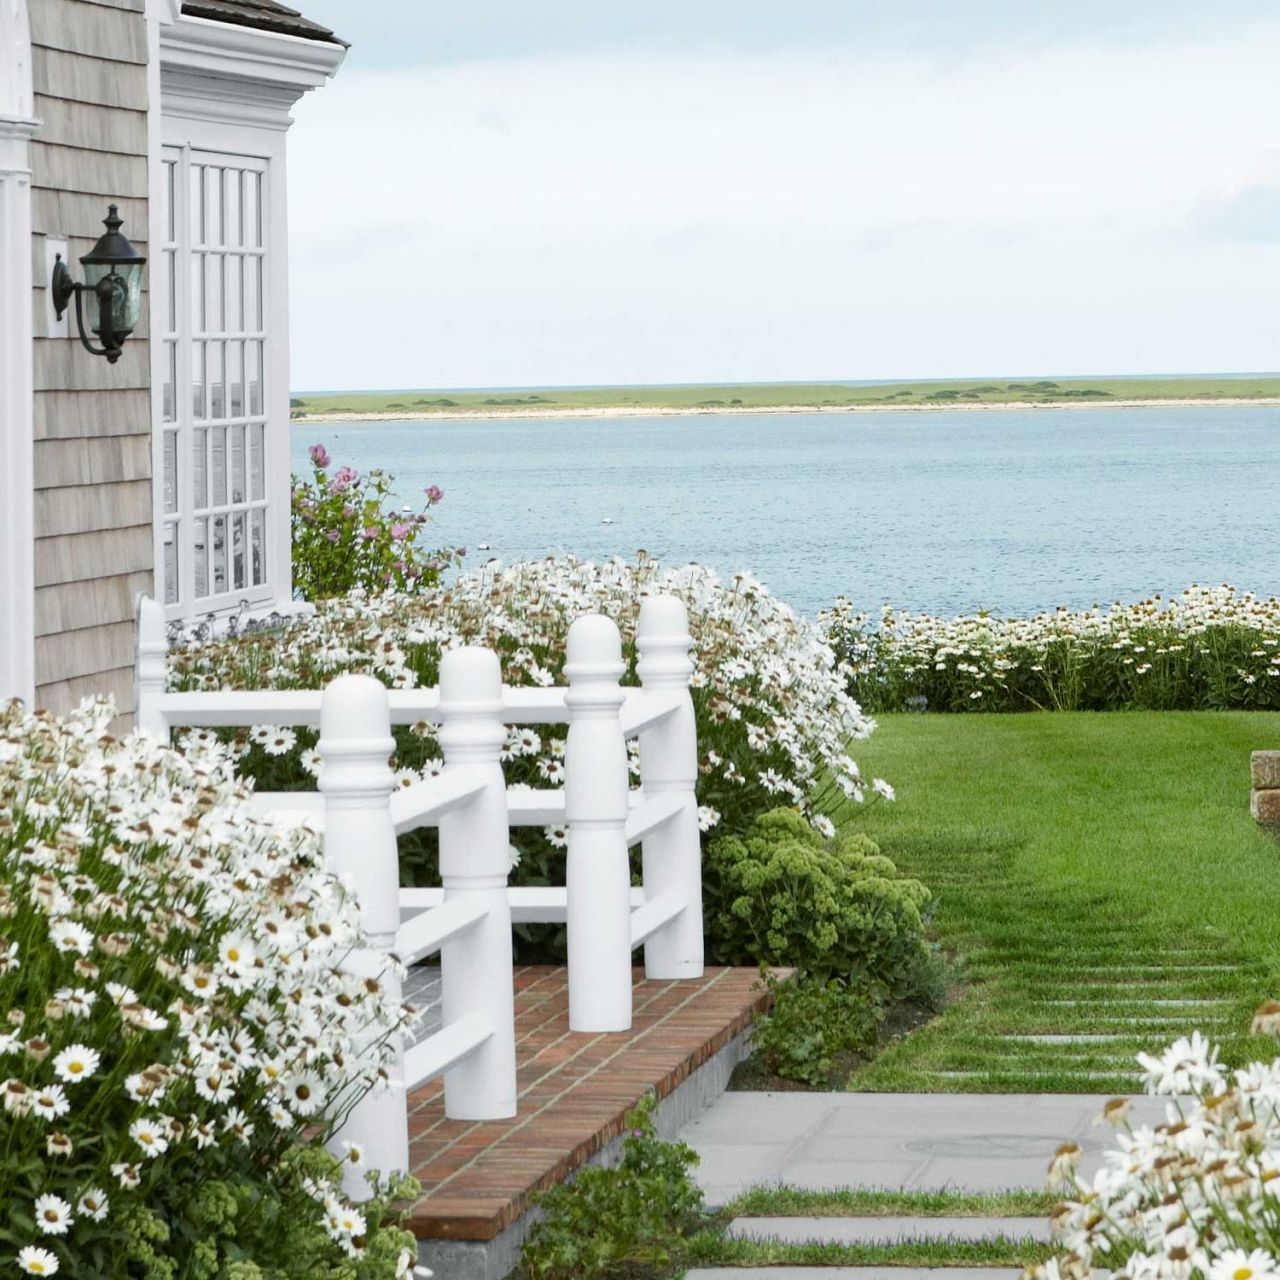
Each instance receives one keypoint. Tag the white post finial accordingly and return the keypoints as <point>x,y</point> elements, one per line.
<point>672,854</point>
<point>360,848</point>
<point>151,673</point>
<point>597,801</point>
<point>476,964</point>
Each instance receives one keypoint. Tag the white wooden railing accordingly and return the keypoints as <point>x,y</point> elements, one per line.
<point>360,810</point>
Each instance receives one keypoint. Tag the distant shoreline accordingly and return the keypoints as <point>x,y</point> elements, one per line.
<point>677,411</point>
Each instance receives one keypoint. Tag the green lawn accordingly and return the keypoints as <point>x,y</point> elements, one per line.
<point>1094,874</point>
<point>772,394</point>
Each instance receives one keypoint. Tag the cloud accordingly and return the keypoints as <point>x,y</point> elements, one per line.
<point>647,215</point>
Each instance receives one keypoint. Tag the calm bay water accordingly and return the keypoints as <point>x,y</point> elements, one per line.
<point>945,511</point>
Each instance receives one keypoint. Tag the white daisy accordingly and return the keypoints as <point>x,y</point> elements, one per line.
<point>75,1063</point>
<point>37,1262</point>
<point>93,1204</point>
<point>53,1215</point>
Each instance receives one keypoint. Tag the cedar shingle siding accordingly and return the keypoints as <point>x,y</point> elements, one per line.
<point>94,546</point>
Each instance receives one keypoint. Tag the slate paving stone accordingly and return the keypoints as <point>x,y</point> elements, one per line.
<point>957,1142</point>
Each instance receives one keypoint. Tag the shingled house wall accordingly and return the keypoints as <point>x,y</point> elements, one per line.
<point>93,507</point>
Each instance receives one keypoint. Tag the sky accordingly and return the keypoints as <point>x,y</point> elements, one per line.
<point>643,191</point>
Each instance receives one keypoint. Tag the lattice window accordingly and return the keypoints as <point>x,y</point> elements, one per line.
<point>214,454</point>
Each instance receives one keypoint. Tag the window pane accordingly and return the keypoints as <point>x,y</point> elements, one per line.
<point>200,461</point>
<point>213,186</point>
<point>253,294</point>
<point>170,190</point>
<point>197,293</point>
<point>234,209</point>
<point>259,548</point>
<point>253,201</point>
<point>200,558</point>
<point>218,467</point>
<point>238,547</point>
<point>213,314</point>
<point>196,188</point>
<point>197,381</point>
<point>235,379</point>
<point>171,562</point>
<point>253,374</point>
<point>218,530</point>
<point>235,293</point>
<point>170,471</point>
<point>168,397</point>
<point>217,398</point>
<point>237,464</point>
<point>171,307</point>
<point>258,463</point>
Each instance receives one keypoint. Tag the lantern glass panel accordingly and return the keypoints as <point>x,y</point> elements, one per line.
<point>113,308</point>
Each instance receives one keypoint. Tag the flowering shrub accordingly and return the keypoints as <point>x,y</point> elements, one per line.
<point>1193,1197</point>
<point>344,538</point>
<point>782,894</point>
<point>1207,648</point>
<point>177,1033</point>
<point>774,720</point>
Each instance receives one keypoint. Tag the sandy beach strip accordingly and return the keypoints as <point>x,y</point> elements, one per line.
<point>674,411</point>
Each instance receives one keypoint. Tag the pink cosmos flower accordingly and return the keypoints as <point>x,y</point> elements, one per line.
<point>343,479</point>
<point>401,530</point>
<point>320,456</point>
<point>434,493</point>
<point>369,532</point>
<point>332,535</point>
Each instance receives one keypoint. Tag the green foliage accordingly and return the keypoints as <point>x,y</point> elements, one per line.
<point>783,895</point>
<point>345,538</point>
<point>812,1022</point>
<point>610,1220</point>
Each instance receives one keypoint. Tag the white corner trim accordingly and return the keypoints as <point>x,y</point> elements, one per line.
<point>239,75</point>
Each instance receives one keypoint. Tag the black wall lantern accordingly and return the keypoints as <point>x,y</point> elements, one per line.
<point>112,290</point>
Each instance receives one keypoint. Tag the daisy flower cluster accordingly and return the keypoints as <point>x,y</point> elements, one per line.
<point>775,721</point>
<point>1194,1198</point>
<point>175,1005</point>
<point>1208,647</point>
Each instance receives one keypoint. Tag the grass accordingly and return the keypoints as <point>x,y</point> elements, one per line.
<point>714,1250</point>
<point>1094,873</point>
<point>861,1202</point>
<point>774,394</point>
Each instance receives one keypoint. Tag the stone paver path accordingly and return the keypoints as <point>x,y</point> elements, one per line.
<point>957,1142</point>
<point>853,1273</point>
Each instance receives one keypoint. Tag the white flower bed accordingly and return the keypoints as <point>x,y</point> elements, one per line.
<point>1208,646</point>
<point>1197,1196</point>
<point>775,719</point>
<point>173,1005</point>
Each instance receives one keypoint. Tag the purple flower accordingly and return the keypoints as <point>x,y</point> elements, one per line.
<point>343,479</point>
<point>333,535</point>
<point>320,456</point>
<point>369,532</point>
<point>401,530</point>
<point>434,493</point>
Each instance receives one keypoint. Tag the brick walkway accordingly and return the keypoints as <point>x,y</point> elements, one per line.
<point>575,1090</point>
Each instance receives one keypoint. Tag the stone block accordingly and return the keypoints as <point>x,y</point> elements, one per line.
<point>1265,807</point>
<point>1265,768</point>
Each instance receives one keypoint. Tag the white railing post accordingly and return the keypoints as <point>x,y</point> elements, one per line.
<point>476,964</point>
<point>151,673</point>
<point>597,800</point>
<point>672,854</point>
<point>360,848</point>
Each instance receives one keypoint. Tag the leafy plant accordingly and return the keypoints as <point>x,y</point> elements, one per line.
<point>344,538</point>
<point>783,894</point>
<point>611,1219</point>
<point>811,1023</point>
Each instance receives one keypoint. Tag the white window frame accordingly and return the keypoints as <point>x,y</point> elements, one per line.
<point>228,90</point>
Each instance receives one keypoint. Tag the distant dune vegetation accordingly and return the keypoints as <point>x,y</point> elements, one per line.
<point>743,397</point>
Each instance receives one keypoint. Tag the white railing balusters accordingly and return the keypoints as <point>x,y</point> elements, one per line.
<point>597,802</point>
<point>476,965</point>
<point>672,850</point>
<point>360,848</point>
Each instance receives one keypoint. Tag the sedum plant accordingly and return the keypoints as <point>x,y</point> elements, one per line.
<point>1194,1198</point>
<point>784,894</point>
<point>178,1033</point>
<point>1207,648</point>
<point>774,720</point>
<point>343,537</point>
